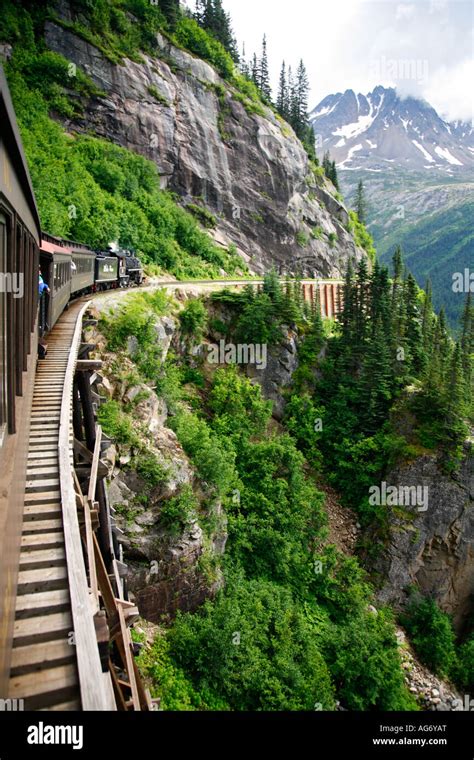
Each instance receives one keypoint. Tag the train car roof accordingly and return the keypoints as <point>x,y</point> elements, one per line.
<point>64,243</point>
<point>11,138</point>
<point>54,247</point>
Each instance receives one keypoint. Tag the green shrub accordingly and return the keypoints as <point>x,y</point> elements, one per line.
<point>151,470</point>
<point>116,424</point>
<point>255,649</point>
<point>177,513</point>
<point>463,671</point>
<point>193,319</point>
<point>362,656</point>
<point>155,93</point>
<point>190,35</point>
<point>302,239</point>
<point>214,461</point>
<point>431,633</point>
<point>206,218</point>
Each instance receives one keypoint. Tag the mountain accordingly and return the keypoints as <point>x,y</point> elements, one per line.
<point>418,173</point>
<point>371,131</point>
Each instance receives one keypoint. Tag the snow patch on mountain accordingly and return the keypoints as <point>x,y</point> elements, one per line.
<point>427,155</point>
<point>444,153</point>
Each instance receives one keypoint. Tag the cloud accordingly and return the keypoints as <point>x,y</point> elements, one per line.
<point>404,11</point>
<point>423,47</point>
<point>450,91</point>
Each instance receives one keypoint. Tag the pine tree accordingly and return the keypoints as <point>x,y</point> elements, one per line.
<point>288,310</point>
<point>455,427</point>
<point>255,73</point>
<point>272,287</point>
<point>346,315</point>
<point>467,347</point>
<point>244,67</point>
<point>170,10</point>
<point>210,14</point>
<point>334,179</point>
<point>282,97</point>
<point>360,203</point>
<point>413,326</point>
<point>427,323</point>
<point>376,381</point>
<point>398,313</point>
<point>301,100</point>
<point>361,303</point>
<point>264,74</point>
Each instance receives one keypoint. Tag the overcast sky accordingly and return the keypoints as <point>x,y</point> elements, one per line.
<point>423,47</point>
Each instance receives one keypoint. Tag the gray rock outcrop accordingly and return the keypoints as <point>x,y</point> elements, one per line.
<point>249,170</point>
<point>433,550</point>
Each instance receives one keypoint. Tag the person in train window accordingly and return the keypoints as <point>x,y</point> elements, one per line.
<point>42,289</point>
<point>42,285</point>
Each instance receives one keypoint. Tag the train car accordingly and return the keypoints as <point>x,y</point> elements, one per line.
<point>83,269</point>
<point>56,270</point>
<point>20,236</point>
<point>106,272</point>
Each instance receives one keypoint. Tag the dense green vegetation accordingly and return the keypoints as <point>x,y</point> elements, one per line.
<point>283,632</point>
<point>431,632</point>
<point>293,608</point>
<point>436,247</point>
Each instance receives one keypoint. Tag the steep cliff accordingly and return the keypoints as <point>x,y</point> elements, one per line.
<point>433,550</point>
<point>217,150</point>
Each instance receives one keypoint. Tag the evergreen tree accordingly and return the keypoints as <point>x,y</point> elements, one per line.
<point>467,348</point>
<point>333,177</point>
<point>264,74</point>
<point>455,427</point>
<point>427,324</point>
<point>171,11</point>
<point>361,303</point>
<point>413,326</point>
<point>282,97</point>
<point>398,314</point>
<point>376,381</point>
<point>255,72</point>
<point>360,203</point>
<point>288,310</point>
<point>244,67</point>
<point>210,14</point>
<point>346,315</point>
<point>272,287</point>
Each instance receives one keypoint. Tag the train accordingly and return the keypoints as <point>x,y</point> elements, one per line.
<point>69,270</point>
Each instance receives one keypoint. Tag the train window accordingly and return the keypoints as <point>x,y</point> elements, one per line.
<point>3,329</point>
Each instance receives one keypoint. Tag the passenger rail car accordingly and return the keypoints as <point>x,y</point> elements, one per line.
<point>20,236</point>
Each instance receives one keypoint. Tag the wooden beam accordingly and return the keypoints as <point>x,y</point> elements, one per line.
<point>88,365</point>
<point>95,465</point>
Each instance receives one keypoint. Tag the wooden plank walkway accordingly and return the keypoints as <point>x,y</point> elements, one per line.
<point>44,668</point>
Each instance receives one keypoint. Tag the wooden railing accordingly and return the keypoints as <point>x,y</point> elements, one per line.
<point>96,693</point>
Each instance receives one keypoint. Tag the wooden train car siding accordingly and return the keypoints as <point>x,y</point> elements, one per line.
<point>20,235</point>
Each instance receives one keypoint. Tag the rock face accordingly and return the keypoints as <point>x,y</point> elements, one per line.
<point>249,170</point>
<point>433,549</point>
<point>282,361</point>
<point>169,569</point>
